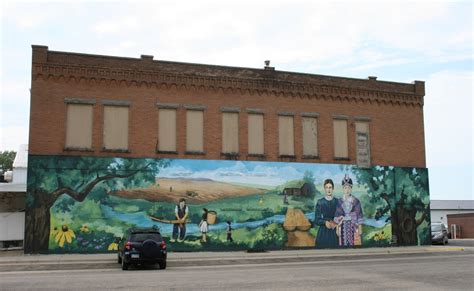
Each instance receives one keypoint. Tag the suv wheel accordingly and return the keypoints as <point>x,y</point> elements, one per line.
<point>124,265</point>
<point>162,265</point>
<point>119,259</point>
<point>150,249</point>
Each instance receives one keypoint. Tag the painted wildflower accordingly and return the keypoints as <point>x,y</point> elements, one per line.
<point>379,236</point>
<point>84,228</point>
<point>64,235</point>
<point>113,246</point>
<point>54,232</point>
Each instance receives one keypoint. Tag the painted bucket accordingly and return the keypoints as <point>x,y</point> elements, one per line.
<point>211,217</point>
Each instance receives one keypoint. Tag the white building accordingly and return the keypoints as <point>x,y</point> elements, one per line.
<point>441,208</point>
<point>12,203</point>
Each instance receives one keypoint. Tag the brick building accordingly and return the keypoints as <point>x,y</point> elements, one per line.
<point>118,141</point>
<point>461,225</point>
<point>457,215</point>
<point>105,106</point>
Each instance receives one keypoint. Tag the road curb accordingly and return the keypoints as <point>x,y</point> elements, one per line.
<point>237,259</point>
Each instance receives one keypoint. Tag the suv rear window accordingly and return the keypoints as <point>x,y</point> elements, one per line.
<point>140,237</point>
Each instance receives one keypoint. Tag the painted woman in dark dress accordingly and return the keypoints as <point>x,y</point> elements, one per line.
<point>324,214</point>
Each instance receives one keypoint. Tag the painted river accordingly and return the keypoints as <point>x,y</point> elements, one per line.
<point>141,219</point>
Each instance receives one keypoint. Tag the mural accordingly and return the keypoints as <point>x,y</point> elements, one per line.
<point>85,204</point>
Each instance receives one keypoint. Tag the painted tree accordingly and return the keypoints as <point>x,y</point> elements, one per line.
<point>405,191</point>
<point>309,178</point>
<point>51,177</point>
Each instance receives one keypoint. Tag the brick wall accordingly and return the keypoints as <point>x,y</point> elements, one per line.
<point>465,221</point>
<point>395,110</point>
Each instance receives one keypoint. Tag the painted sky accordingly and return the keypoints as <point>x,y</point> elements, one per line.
<point>259,173</point>
<point>399,41</point>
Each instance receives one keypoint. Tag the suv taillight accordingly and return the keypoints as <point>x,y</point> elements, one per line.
<point>128,245</point>
<point>163,244</point>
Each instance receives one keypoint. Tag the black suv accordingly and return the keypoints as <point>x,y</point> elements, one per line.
<point>142,246</point>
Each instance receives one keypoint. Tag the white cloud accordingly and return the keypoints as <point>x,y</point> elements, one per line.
<point>120,26</point>
<point>29,15</point>
<point>448,118</point>
<point>11,137</point>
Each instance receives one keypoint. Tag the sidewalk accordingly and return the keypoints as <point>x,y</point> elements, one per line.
<point>17,261</point>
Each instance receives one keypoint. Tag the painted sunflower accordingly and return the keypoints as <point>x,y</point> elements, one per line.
<point>54,232</point>
<point>84,228</point>
<point>113,246</point>
<point>64,235</point>
<point>379,236</point>
<point>382,235</point>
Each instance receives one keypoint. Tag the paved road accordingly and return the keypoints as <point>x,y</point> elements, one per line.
<point>461,242</point>
<point>441,271</point>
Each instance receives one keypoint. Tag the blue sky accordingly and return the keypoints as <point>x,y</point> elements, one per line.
<point>398,41</point>
<point>258,173</point>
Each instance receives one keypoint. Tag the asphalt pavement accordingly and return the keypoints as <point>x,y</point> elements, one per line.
<point>17,261</point>
<point>436,268</point>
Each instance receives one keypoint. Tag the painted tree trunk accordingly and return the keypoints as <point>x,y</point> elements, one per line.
<point>37,221</point>
<point>404,225</point>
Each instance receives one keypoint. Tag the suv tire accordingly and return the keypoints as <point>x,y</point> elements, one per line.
<point>124,265</point>
<point>150,248</point>
<point>119,259</point>
<point>162,265</point>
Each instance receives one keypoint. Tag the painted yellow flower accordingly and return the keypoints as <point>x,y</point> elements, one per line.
<point>84,228</point>
<point>64,235</point>
<point>382,236</point>
<point>54,232</point>
<point>379,236</point>
<point>113,246</point>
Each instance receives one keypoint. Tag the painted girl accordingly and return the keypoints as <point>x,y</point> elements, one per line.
<point>203,226</point>
<point>348,217</point>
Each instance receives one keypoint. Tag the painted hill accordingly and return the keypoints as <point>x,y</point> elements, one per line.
<point>195,191</point>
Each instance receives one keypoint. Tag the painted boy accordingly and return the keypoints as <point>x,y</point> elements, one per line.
<point>229,232</point>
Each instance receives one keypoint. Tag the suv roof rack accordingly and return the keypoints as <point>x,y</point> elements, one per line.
<point>154,228</point>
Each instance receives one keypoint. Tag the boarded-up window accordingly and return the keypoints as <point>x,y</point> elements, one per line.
<point>167,130</point>
<point>362,144</point>
<point>310,136</point>
<point>255,134</point>
<point>194,131</point>
<point>340,138</point>
<point>362,127</point>
<point>286,137</point>
<point>116,127</point>
<point>79,126</point>
<point>230,132</point>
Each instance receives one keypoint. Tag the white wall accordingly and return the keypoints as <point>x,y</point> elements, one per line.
<point>19,175</point>
<point>441,215</point>
<point>12,226</point>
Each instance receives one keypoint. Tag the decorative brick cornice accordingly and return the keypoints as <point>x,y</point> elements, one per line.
<point>108,76</point>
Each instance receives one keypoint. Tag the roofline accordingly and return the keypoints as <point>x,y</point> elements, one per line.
<point>218,66</point>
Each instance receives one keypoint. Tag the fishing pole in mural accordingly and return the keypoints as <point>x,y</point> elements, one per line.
<point>85,204</point>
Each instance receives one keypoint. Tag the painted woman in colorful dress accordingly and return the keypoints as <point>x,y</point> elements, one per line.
<point>324,217</point>
<point>349,217</point>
